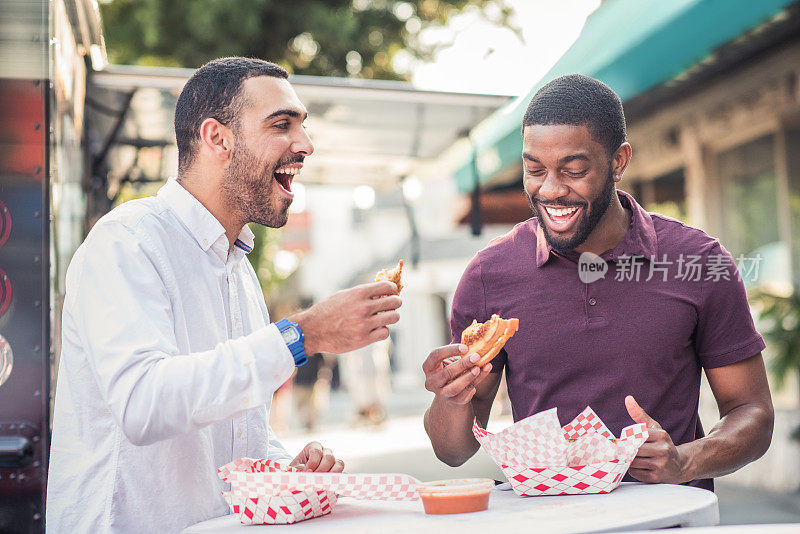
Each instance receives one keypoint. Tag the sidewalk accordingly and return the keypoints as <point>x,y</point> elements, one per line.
<point>738,506</point>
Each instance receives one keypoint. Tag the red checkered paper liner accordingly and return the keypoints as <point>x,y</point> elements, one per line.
<point>538,458</point>
<point>263,491</point>
<point>286,507</point>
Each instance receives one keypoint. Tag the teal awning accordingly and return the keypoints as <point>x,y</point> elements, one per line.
<point>633,46</point>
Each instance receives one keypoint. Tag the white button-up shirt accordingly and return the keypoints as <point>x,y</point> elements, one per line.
<point>168,366</point>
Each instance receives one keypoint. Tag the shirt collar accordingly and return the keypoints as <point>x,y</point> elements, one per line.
<point>639,240</point>
<point>246,239</point>
<point>204,227</point>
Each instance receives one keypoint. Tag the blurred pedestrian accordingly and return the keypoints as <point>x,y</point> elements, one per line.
<point>367,377</point>
<point>311,390</point>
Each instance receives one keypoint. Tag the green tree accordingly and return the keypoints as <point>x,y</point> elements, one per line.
<point>319,37</point>
<point>779,318</point>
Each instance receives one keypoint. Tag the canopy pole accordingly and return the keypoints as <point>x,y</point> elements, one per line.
<point>475,218</point>
<point>412,224</point>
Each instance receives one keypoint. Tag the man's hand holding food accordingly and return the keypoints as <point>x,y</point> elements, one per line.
<point>451,374</point>
<point>350,319</point>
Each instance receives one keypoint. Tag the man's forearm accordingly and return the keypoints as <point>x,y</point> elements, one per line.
<point>449,427</point>
<point>740,437</point>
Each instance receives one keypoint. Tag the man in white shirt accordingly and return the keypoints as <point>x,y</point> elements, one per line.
<point>169,359</point>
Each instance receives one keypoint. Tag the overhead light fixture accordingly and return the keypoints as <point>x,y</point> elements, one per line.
<point>412,189</point>
<point>286,262</point>
<point>364,197</point>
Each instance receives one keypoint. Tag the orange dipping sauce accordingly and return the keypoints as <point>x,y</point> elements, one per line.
<point>456,496</point>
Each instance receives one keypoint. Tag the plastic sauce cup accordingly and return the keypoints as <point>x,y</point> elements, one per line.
<point>456,496</point>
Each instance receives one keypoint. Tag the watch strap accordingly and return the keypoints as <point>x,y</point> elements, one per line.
<point>293,337</point>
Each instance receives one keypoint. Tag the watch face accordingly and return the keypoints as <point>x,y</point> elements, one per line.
<point>291,335</point>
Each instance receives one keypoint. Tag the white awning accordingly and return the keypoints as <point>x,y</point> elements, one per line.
<point>367,132</point>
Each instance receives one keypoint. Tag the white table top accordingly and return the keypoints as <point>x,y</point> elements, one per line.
<point>632,506</point>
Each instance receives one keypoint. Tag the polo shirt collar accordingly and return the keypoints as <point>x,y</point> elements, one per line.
<point>201,224</point>
<point>639,240</point>
<point>543,248</point>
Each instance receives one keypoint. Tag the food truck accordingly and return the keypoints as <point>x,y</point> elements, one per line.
<point>47,50</point>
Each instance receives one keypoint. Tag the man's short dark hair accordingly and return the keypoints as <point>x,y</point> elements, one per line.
<point>578,100</point>
<point>212,92</point>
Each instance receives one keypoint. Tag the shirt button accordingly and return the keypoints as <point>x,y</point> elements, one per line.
<point>239,433</point>
<point>592,301</point>
<point>245,400</point>
<point>205,242</point>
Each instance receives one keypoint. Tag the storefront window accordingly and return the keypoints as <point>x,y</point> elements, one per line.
<point>750,209</point>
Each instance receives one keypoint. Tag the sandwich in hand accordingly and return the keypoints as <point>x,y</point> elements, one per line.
<point>391,275</point>
<point>486,339</point>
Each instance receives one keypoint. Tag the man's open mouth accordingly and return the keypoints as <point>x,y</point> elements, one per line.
<point>285,174</point>
<point>563,218</point>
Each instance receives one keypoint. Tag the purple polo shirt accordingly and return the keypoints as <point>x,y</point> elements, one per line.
<point>594,343</point>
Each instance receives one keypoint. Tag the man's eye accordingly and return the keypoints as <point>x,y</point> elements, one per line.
<point>534,172</point>
<point>283,125</point>
<point>575,174</point>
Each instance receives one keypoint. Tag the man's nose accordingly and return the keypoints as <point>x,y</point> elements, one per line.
<point>303,144</point>
<point>552,187</point>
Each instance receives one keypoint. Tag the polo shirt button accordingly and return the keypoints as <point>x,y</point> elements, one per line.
<point>592,301</point>
<point>239,433</point>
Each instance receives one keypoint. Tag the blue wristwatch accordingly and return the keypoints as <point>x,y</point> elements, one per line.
<point>293,337</point>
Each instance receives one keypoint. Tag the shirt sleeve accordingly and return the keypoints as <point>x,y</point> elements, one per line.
<point>726,333</point>
<point>119,305</point>
<point>469,303</point>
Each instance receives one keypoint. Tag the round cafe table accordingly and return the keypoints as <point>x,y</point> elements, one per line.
<point>632,506</point>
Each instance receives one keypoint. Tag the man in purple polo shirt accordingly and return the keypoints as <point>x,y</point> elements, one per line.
<point>618,308</point>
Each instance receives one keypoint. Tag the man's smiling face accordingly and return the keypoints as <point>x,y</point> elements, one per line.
<point>567,177</point>
<point>271,143</point>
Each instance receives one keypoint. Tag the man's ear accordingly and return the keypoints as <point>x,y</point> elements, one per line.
<point>620,160</point>
<point>216,139</point>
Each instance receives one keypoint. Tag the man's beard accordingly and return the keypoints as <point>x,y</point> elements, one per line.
<point>597,208</point>
<point>248,186</point>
